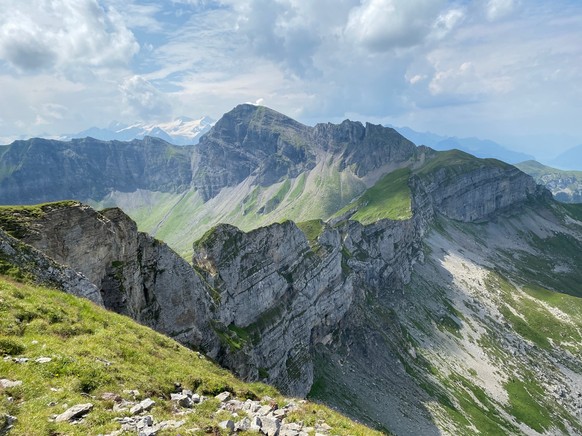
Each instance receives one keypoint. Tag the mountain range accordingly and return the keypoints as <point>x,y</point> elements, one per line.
<point>484,148</point>
<point>417,291</point>
<point>180,131</point>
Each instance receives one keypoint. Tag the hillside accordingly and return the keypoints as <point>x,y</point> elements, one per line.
<point>58,353</point>
<point>566,186</point>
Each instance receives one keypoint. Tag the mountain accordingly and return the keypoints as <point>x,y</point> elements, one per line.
<point>417,291</point>
<point>255,167</point>
<point>484,148</point>
<point>180,131</point>
<point>570,159</point>
<point>566,186</point>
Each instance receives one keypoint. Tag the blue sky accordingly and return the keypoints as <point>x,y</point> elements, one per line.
<point>508,70</point>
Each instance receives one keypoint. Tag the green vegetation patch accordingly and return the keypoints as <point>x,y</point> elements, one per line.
<point>390,198</point>
<point>312,230</point>
<point>525,408</point>
<point>456,162</point>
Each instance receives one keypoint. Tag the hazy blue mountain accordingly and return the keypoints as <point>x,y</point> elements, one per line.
<point>478,147</point>
<point>571,159</point>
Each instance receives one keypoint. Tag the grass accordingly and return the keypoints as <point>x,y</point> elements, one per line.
<point>456,162</point>
<point>312,230</point>
<point>525,408</point>
<point>389,198</point>
<point>532,320</point>
<point>86,362</point>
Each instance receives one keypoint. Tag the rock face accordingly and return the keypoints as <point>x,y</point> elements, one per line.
<point>131,272</point>
<point>24,261</point>
<point>468,189</point>
<point>46,170</point>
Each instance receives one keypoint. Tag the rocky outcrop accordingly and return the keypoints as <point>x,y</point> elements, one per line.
<point>135,274</point>
<point>251,141</point>
<point>469,189</point>
<point>363,148</point>
<point>21,261</point>
<point>277,297</point>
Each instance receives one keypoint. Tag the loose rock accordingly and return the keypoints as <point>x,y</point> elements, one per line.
<point>74,412</point>
<point>5,383</point>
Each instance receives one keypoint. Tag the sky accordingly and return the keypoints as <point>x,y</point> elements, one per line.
<point>507,70</point>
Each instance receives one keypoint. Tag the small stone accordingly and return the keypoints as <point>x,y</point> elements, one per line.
<point>256,423</point>
<point>196,398</point>
<point>222,397</point>
<point>265,410</point>
<point>74,412</point>
<point>34,342</point>
<point>233,405</point>
<point>270,426</point>
<point>122,406</point>
<point>251,406</point>
<point>9,421</point>
<point>170,424</point>
<point>187,392</point>
<point>243,425</point>
<point>229,425</point>
<point>186,402</point>
<point>110,396</point>
<point>43,360</point>
<point>146,421</point>
<point>5,383</point>
<point>143,406</point>
<point>133,392</point>
<point>21,359</point>
<point>279,413</point>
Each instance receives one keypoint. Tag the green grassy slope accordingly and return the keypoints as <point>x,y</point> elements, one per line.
<point>94,351</point>
<point>389,198</point>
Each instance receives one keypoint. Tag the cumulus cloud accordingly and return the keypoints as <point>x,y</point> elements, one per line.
<point>144,99</point>
<point>382,25</point>
<point>39,35</point>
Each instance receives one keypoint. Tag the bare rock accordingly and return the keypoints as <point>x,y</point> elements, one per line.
<point>74,412</point>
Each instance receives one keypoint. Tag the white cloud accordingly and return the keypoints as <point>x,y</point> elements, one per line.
<point>446,22</point>
<point>417,78</point>
<point>381,25</point>
<point>144,99</point>
<point>498,9</point>
<point>39,35</point>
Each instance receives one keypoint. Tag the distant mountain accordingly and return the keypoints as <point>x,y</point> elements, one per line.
<point>566,186</point>
<point>571,159</point>
<point>181,131</point>
<point>478,147</point>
